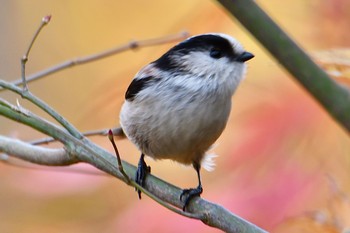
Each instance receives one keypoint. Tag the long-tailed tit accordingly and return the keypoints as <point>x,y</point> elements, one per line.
<point>177,106</point>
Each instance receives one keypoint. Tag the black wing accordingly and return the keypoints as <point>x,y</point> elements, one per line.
<point>136,86</point>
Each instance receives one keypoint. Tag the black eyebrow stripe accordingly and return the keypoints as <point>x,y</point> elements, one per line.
<point>197,43</point>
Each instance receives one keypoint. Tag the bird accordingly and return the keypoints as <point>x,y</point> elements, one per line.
<point>177,106</point>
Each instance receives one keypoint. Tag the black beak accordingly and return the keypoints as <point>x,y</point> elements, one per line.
<point>245,56</point>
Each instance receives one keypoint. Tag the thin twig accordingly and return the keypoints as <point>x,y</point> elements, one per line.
<point>42,105</point>
<point>120,165</point>
<point>97,56</point>
<point>27,95</point>
<point>44,21</point>
<point>117,132</point>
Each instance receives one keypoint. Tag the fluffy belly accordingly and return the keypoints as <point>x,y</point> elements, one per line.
<point>182,134</point>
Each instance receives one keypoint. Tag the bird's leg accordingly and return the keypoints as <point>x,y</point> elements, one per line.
<point>193,192</point>
<point>141,173</point>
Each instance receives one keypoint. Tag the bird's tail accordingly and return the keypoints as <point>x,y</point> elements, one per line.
<point>208,162</point>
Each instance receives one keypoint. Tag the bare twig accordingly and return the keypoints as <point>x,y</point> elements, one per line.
<point>27,95</point>
<point>41,104</point>
<point>117,132</point>
<point>120,164</point>
<point>45,20</point>
<point>42,141</point>
<point>93,57</point>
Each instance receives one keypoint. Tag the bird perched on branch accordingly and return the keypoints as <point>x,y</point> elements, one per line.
<point>177,106</point>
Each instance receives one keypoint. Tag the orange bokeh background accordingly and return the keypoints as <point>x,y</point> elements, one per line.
<point>283,163</point>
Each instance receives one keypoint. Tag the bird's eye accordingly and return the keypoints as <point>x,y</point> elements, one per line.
<point>216,53</point>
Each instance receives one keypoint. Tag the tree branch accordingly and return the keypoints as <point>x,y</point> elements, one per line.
<point>35,154</point>
<point>334,97</point>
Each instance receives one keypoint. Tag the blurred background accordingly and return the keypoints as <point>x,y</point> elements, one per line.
<point>283,163</point>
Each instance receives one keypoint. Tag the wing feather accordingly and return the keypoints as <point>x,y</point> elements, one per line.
<point>137,85</point>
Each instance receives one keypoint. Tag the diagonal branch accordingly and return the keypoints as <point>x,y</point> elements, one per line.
<point>334,97</point>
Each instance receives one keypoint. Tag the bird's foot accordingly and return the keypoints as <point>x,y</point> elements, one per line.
<point>141,173</point>
<point>190,194</point>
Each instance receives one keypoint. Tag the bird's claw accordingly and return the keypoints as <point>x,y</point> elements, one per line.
<point>190,194</point>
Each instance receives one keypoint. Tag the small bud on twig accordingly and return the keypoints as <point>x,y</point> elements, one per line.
<point>46,19</point>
